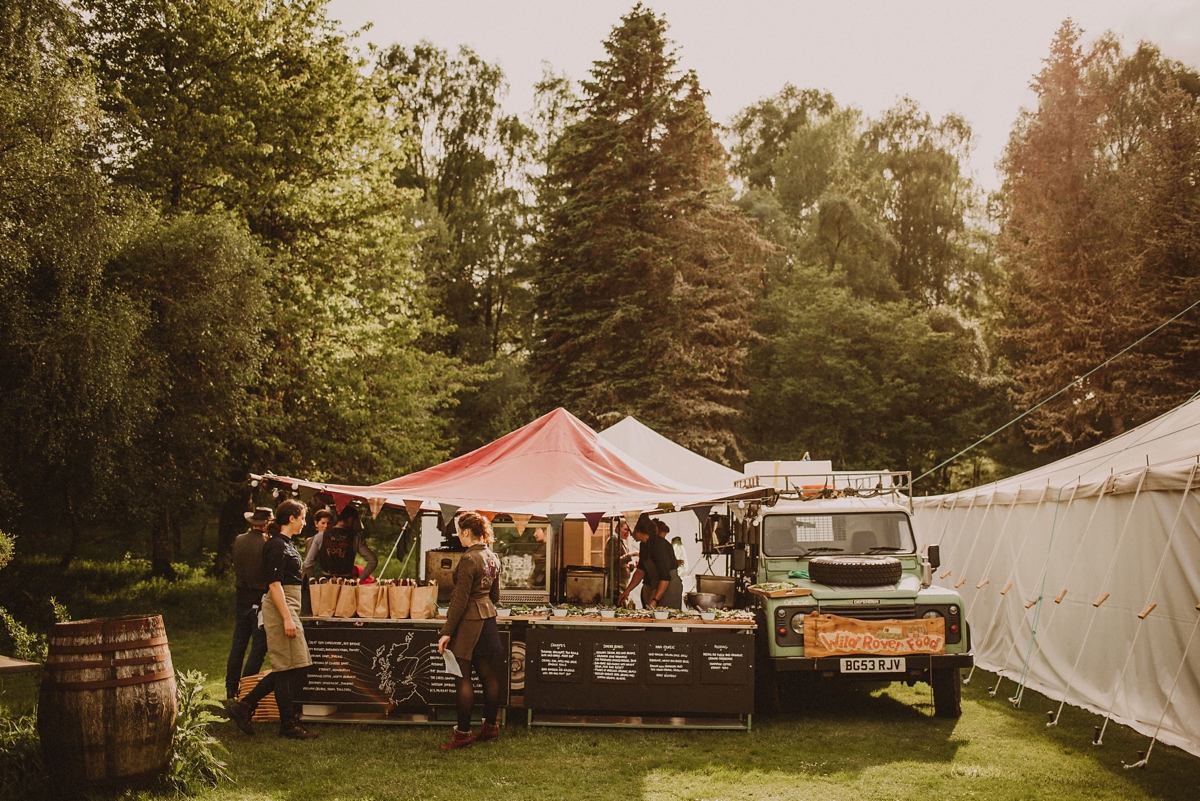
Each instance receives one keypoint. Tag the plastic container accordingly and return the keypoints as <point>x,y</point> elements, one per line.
<point>661,615</point>
<point>560,611</point>
<point>503,611</point>
<point>608,613</point>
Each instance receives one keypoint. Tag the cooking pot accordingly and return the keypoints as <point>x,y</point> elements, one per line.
<point>705,600</point>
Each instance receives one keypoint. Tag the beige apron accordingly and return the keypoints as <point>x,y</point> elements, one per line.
<point>285,652</point>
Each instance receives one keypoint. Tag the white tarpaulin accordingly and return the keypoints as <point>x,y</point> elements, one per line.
<point>677,462</point>
<point>1078,551</point>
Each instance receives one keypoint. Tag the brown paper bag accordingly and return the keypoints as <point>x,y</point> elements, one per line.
<point>424,602</point>
<point>399,601</point>
<point>347,602</point>
<point>381,601</point>
<point>366,599</point>
<point>323,595</point>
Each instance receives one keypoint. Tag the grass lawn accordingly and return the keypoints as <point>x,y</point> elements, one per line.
<point>846,745</point>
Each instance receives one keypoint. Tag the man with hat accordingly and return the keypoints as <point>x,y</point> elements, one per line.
<point>251,583</point>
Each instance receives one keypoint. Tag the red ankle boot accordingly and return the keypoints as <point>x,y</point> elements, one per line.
<point>487,731</point>
<point>458,739</point>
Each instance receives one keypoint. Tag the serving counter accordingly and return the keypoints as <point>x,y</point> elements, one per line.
<point>576,671</point>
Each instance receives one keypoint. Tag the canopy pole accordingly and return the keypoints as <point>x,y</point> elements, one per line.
<point>1012,574</point>
<point>1017,697</point>
<point>1088,633</point>
<point>1175,683</point>
<point>396,544</point>
<point>1003,529</point>
<point>1148,607</point>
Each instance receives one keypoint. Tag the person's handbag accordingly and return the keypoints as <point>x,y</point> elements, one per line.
<point>399,599</point>
<point>424,601</point>
<point>347,602</point>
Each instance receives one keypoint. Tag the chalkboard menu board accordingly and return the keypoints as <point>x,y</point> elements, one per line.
<point>639,672</point>
<point>383,667</point>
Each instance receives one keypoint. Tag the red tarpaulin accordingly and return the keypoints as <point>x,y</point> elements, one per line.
<point>554,465</point>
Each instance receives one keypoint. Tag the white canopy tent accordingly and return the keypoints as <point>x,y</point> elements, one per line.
<point>1081,579</point>
<point>679,464</point>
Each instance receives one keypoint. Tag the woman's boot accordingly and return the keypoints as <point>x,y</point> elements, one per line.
<point>240,713</point>
<point>487,731</point>
<point>458,739</point>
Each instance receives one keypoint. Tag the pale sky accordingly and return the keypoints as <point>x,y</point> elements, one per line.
<point>972,58</point>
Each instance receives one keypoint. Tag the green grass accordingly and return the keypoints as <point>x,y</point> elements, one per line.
<point>843,745</point>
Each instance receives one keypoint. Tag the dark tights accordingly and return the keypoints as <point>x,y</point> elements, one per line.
<point>285,684</point>
<point>487,669</point>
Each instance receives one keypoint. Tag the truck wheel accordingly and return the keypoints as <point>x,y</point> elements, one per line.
<point>854,571</point>
<point>947,692</point>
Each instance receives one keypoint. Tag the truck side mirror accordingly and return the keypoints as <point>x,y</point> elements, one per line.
<point>935,556</point>
<point>739,559</point>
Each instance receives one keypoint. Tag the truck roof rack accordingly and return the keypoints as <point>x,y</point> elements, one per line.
<point>836,484</point>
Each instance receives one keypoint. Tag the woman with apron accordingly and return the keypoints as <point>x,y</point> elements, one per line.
<point>470,630</point>
<point>281,618</point>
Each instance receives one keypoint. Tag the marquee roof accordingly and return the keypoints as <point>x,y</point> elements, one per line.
<point>555,465</point>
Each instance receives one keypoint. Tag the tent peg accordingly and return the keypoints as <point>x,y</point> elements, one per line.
<point>1032,601</point>
<point>1141,763</point>
<point>981,584</point>
<point>1060,597</point>
<point>944,573</point>
<point>1100,600</point>
<point>1007,587</point>
<point>1096,737</point>
<point>1146,612</point>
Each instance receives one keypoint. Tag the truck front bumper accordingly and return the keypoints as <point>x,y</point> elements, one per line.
<point>914,664</point>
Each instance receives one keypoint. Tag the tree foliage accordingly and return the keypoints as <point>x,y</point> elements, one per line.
<point>645,268</point>
<point>1100,234</point>
<point>870,354</point>
<point>472,169</point>
<point>262,109</point>
<point>68,340</point>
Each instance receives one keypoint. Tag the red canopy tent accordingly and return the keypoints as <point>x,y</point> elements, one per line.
<point>556,465</point>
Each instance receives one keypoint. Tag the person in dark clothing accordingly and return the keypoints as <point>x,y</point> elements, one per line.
<point>285,633</point>
<point>250,582</point>
<point>335,548</point>
<point>470,630</point>
<point>656,563</point>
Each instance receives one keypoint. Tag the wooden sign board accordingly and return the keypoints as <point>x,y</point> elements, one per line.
<point>831,635</point>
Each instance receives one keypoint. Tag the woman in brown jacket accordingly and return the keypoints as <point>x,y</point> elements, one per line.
<point>470,630</point>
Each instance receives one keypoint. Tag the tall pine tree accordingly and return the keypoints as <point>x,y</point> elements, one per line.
<point>646,272</point>
<point>1099,238</point>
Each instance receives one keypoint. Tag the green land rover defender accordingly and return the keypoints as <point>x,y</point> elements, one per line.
<point>833,564</point>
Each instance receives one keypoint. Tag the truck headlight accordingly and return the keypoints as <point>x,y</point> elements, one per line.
<point>798,624</point>
<point>932,614</point>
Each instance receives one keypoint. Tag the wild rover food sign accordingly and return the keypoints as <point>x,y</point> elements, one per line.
<point>830,635</point>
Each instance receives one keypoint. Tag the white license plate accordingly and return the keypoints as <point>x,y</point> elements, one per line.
<point>873,664</point>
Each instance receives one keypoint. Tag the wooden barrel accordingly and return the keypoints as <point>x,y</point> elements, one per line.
<point>106,712</point>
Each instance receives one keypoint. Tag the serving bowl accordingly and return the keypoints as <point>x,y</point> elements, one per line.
<point>705,600</point>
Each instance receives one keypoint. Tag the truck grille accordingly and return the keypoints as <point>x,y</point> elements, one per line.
<point>872,612</point>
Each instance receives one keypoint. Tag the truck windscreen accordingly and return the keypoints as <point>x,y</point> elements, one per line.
<point>823,534</point>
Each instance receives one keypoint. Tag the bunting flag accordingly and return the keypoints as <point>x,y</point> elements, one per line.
<point>593,519</point>
<point>702,513</point>
<point>448,510</point>
<point>340,500</point>
<point>413,508</point>
<point>631,518</point>
<point>520,521</point>
<point>488,515</point>
<point>739,511</point>
<point>556,520</point>
<point>376,504</point>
